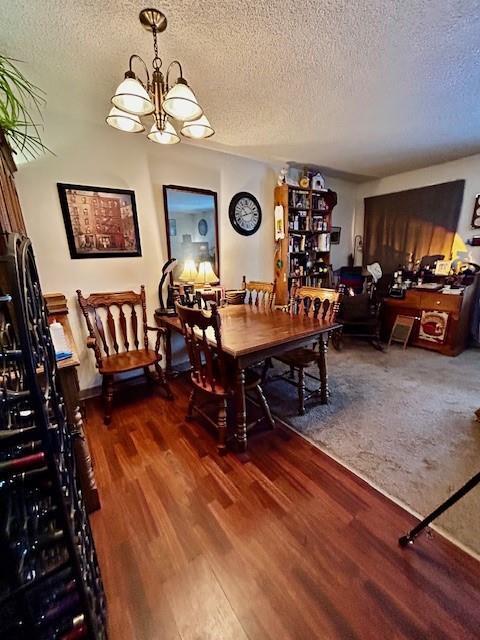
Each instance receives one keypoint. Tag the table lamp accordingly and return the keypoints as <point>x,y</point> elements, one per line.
<point>189,273</point>
<point>206,275</point>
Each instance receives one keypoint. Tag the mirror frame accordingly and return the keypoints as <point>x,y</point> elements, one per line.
<point>206,192</point>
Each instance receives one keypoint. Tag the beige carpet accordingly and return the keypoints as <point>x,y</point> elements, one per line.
<point>405,421</point>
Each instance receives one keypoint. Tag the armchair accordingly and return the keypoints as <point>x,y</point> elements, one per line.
<point>360,318</point>
<point>116,341</point>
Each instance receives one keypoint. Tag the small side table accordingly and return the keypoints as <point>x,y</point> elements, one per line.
<point>68,377</point>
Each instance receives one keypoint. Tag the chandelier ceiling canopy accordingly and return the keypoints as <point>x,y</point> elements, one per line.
<point>157,96</point>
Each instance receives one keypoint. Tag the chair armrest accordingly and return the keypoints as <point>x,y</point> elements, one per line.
<point>161,331</point>
<point>92,344</point>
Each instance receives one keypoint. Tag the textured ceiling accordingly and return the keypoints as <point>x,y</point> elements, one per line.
<point>368,88</point>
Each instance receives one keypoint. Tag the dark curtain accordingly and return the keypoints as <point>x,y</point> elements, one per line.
<point>419,221</point>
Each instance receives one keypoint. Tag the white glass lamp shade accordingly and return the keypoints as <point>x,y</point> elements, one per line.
<point>189,273</point>
<point>197,129</point>
<point>180,103</point>
<point>206,274</point>
<point>132,97</point>
<point>124,121</point>
<point>167,135</point>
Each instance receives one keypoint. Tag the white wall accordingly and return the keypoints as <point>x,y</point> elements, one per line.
<point>343,217</point>
<point>100,156</point>
<point>467,169</point>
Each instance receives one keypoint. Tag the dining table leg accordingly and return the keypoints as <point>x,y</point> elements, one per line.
<point>240,411</point>
<point>324,391</point>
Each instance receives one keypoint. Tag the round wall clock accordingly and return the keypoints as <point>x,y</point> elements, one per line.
<point>245,213</point>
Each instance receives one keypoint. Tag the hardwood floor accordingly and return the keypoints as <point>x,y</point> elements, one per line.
<point>281,544</point>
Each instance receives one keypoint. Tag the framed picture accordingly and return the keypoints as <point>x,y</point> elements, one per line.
<point>100,222</point>
<point>442,267</point>
<point>335,235</point>
<point>193,213</point>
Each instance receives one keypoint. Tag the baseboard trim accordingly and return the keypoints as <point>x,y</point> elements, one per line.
<point>91,392</point>
<point>445,534</point>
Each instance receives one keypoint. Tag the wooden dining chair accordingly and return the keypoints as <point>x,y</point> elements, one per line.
<point>119,339</point>
<point>260,294</point>
<point>209,371</point>
<point>316,303</point>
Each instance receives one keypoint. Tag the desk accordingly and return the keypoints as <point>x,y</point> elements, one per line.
<point>458,307</point>
<point>251,334</point>
<point>68,378</point>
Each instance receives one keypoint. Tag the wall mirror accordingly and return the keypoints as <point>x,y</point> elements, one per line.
<point>192,233</point>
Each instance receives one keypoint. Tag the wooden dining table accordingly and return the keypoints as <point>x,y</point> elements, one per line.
<point>251,334</point>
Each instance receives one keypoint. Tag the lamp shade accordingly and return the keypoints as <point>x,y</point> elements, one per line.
<point>181,103</point>
<point>132,97</point>
<point>124,121</point>
<point>189,272</point>
<point>167,135</point>
<point>206,274</point>
<point>197,129</point>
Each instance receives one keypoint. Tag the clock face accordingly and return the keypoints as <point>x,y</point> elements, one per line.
<point>245,213</point>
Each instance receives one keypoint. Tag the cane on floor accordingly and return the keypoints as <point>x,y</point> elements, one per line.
<point>410,537</point>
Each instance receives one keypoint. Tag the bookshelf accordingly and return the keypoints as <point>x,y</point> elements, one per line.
<point>303,256</point>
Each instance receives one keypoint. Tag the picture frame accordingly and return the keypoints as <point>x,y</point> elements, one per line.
<point>100,222</point>
<point>335,233</point>
<point>443,267</point>
<point>194,214</point>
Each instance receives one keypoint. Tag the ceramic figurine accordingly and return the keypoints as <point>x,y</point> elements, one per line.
<point>318,182</point>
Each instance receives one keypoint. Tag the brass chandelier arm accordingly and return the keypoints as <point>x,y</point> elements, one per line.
<point>133,75</point>
<point>168,71</point>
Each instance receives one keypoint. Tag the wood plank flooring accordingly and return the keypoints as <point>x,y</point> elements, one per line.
<point>281,544</point>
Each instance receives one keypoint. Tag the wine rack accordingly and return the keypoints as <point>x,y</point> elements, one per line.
<point>50,583</point>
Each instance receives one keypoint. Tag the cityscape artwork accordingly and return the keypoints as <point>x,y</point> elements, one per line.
<point>100,222</point>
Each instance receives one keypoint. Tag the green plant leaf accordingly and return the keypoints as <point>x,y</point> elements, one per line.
<point>19,98</point>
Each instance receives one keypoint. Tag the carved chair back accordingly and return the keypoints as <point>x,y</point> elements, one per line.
<point>206,358</point>
<point>315,302</point>
<point>116,322</point>
<point>260,294</point>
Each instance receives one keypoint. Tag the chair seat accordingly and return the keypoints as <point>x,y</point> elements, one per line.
<point>301,357</point>
<point>252,379</point>
<point>128,360</point>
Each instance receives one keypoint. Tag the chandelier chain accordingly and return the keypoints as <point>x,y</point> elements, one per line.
<point>157,61</point>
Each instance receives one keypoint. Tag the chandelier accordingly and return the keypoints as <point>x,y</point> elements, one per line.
<point>157,97</point>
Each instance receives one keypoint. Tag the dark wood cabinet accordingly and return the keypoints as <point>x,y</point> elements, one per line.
<point>458,307</point>
<point>11,218</point>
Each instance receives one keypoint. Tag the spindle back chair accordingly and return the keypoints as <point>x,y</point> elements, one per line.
<point>321,304</point>
<point>260,294</point>
<point>118,335</point>
<point>315,302</point>
<point>209,371</point>
<point>206,357</point>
